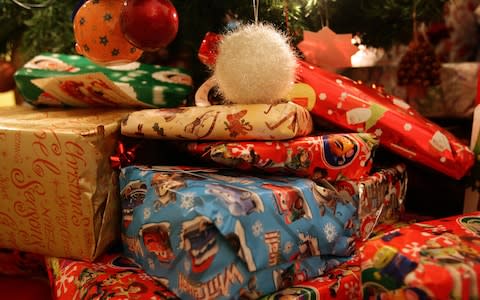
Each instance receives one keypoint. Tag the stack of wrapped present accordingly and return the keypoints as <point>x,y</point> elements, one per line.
<point>129,194</point>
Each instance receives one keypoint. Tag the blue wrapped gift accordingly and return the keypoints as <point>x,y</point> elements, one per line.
<point>215,234</point>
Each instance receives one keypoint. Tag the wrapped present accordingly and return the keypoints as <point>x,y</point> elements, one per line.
<point>437,259</point>
<point>453,98</point>
<point>330,156</point>
<point>341,282</point>
<point>354,106</point>
<point>19,263</point>
<point>71,80</point>
<point>112,276</point>
<point>25,288</point>
<point>59,193</point>
<point>221,122</point>
<point>380,198</point>
<point>215,234</point>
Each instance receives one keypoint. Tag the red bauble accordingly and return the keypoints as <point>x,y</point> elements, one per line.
<point>149,24</point>
<point>7,82</point>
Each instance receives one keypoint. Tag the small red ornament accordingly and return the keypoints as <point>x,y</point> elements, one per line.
<point>149,24</point>
<point>209,48</point>
<point>7,70</point>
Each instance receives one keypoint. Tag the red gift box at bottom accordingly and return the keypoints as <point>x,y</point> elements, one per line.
<point>24,288</point>
<point>437,259</point>
<point>342,282</point>
<point>110,277</point>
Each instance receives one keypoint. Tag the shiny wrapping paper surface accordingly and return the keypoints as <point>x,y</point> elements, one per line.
<point>438,259</point>
<point>330,156</point>
<point>342,282</point>
<point>221,122</point>
<point>51,79</point>
<point>198,229</point>
<point>112,276</point>
<point>354,106</point>
<point>380,198</point>
<point>59,193</point>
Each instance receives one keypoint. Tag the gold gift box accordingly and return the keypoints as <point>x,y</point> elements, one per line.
<point>58,192</point>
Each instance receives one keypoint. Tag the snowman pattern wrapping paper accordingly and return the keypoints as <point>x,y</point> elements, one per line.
<point>213,234</point>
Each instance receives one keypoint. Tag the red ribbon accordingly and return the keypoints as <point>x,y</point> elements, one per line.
<point>123,157</point>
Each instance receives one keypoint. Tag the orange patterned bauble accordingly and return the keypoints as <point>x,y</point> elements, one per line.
<point>98,34</point>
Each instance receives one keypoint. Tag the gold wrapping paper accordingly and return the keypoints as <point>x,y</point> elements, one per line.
<point>221,122</point>
<point>59,195</point>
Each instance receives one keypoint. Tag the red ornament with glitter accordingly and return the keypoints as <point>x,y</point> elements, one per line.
<point>149,24</point>
<point>98,34</point>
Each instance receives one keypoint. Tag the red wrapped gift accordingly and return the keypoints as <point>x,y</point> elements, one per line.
<point>357,107</point>
<point>18,263</point>
<point>437,259</point>
<point>330,156</point>
<point>342,282</point>
<point>111,277</point>
<point>25,288</point>
<point>380,198</point>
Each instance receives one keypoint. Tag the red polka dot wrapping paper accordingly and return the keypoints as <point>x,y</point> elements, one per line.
<point>351,105</point>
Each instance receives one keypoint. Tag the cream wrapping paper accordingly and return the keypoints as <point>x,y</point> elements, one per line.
<point>221,122</point>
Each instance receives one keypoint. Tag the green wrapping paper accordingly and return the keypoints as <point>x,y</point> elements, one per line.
<point>71,80</point>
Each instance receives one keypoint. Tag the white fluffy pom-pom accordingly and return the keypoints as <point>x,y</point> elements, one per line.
<point>255,64</point>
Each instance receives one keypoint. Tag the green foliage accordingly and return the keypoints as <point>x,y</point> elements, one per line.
<point>39,29</point>
<point>381,23</point>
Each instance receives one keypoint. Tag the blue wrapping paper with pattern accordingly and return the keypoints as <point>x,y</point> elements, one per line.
<point>215,234</point>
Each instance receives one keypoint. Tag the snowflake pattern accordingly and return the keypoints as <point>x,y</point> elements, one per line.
<point>352,290</point>
<point>144,276</point>
<point>257,228</point>
<point>65,279</point>
<point>412,249</point>
<point>330,232</point>
<point>151,264</point>
<point>219,220</point>
<point>176,291</point>
<point>287,248</point>
<point>103,40</point>
<point>186,265</point>
<point>378,132</point>
<point>187,201</point>
<point>147,212</point>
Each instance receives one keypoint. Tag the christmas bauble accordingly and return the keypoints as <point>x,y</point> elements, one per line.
<point>149,24</point>
<point>7,82</point>
<point>255,64</point>
<point>98,33</point>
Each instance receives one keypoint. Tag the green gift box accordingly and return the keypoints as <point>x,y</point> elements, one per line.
<point>72,80</point>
